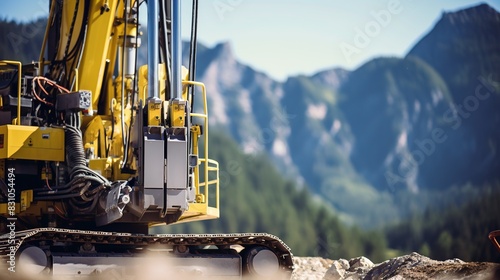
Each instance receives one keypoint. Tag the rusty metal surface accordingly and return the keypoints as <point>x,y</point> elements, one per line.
<point>493,237</point>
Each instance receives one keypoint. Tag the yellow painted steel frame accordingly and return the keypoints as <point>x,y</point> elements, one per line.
<point>12,136</point>
<point>31,143</point>
<point>97,44</point>
<point>205,207</point>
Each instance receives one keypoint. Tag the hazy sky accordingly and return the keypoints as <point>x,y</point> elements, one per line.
<point>290,37</point>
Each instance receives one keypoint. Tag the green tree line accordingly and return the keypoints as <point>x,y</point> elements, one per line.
<point>459,231</point>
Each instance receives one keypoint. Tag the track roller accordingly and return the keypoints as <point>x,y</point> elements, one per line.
<point>260,262</point>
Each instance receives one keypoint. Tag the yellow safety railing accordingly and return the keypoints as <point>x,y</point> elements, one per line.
<point>19,79</point>
<point>209,166</point>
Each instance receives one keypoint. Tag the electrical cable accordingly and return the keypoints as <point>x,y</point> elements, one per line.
<point>192,49</point>
<point>166,51</point>
<point>122,70</point>
<point>127,147</point>
<point>70,35</point>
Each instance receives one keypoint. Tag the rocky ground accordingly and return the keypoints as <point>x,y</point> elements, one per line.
<point>412,266</point>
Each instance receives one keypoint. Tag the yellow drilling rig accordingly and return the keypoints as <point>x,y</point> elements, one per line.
<point>96,149</point>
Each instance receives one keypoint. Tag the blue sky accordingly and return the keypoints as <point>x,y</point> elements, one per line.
<point>291,37</point>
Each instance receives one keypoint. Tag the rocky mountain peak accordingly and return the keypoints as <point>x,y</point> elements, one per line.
<point>332,77</point>
<point>462,32</point>
<point>223,50</point>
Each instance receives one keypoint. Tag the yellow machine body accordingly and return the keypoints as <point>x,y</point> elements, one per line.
<point>95,149</point>
<point>31,143</point>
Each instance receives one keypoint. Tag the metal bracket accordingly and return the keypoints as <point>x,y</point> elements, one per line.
<point>116,200</point>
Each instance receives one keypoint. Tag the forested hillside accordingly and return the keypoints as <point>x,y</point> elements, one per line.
<point>21,41</point>
<point>458,231</point>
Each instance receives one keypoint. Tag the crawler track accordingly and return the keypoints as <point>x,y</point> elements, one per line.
<point>280,249</point>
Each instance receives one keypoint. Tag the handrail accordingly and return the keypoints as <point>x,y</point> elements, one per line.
<point>215,181</point>
<point>204,160</point>
<point>19,79</point>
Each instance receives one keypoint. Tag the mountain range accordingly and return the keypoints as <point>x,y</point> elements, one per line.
<point>383,139</point>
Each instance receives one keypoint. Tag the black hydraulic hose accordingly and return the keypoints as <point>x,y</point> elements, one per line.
<point>161,26</point>
<point>80,187</point>
<point>166,50</point>
<point>127,146</point>
<point>192,49</point>
<point>83,209</point>
<point>81,36</point>
<point>70,36</point>
<point>57,197</point>
<point>55,21</point>
<point>74,148</point>
<point>76,156</point>
<point>112,124</point>
<point>122,70</point>
<point>80,56</point>
<point>82,171</point>
<point>61,191</point>
<point>192,61</point>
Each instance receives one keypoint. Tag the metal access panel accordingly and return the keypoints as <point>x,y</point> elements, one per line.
<point>153,166</point>
<point>31,143</point>
<point>154,158</point>
<point>177,162</point>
